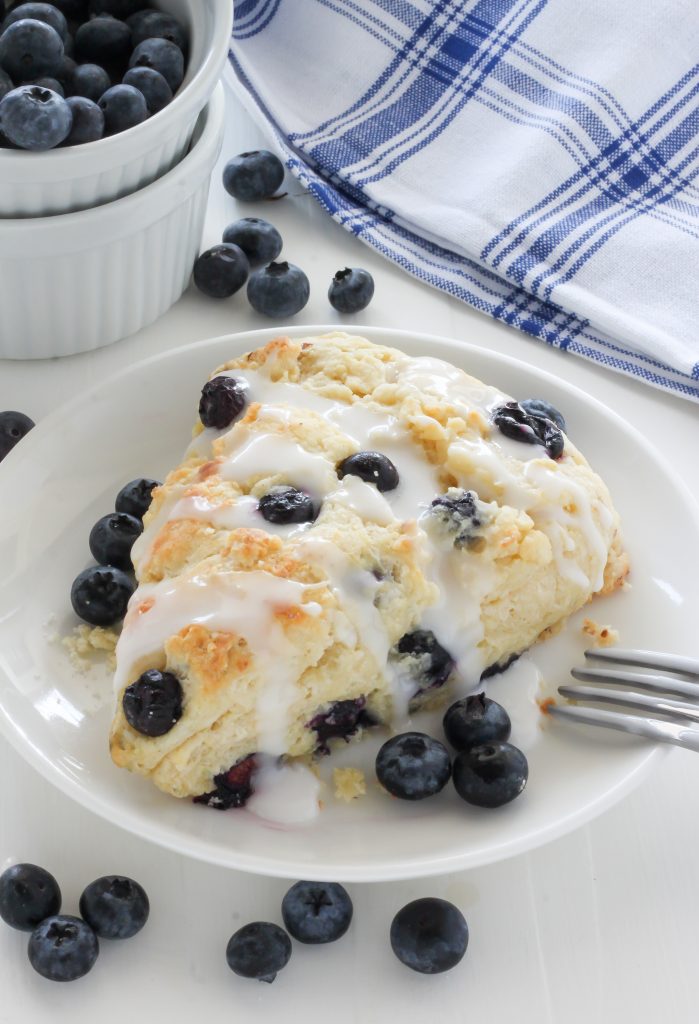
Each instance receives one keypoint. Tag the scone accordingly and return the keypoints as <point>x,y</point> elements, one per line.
<point>352,533</point>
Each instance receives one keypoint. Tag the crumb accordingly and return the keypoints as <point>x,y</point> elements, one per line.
<point>349,783</point>
<point>603,636</point>
<point>86,641</point>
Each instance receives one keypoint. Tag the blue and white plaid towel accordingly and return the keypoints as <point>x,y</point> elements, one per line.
<point>538,159</point>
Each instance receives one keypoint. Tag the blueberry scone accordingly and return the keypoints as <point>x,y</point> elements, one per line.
<point>352,533</point>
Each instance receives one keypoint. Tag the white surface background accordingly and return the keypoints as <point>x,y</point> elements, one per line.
<point>600,925</point>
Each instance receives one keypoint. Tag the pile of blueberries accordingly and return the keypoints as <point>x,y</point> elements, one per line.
<point>63,947</point>
<point>250,247</point>
<point>73,71</point>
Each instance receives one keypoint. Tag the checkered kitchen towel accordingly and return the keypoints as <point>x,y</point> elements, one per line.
<point>538,159</point>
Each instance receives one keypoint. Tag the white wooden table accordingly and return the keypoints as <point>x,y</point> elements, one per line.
<point>598,926</point>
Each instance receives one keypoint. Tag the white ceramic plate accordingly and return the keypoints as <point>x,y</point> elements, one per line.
<point>65,475</point>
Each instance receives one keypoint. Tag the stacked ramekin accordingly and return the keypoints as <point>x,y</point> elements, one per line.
<point>98,240</point>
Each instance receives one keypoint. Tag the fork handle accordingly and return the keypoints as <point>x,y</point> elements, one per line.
<point>651,728</point>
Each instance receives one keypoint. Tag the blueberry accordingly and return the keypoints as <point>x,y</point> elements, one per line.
<point>253,176</point>
<point>221,271</point>
<point>6,84</point>
<point>284,504</point>
<point>373,467</point>
<point>30,49</point>
<point>151,83</point>
<point>460,515</point>
<point>490,775</point>
<point>342,720</point>
<point>34,118</point>
<point>13,427</point>
<point>90,81</point>
<point>413,766</point>
<point>63,948</point>
<point>232,788</point>
<point>476,720</point>
<point>317,912</point>
<point>259,240</point>
<point>112,537</point>
<point>100,594</point>
<point>515,422</point>
<point>430,663</point>
<point>351,290</point>
<point>47,13</point>
<point>429,935</point>
<point>69,48</point>
<point>222,401</point>
<point>539,407</point>
<point>117,8</point>
<point>278,290</point>
<point>162,56</point>
<point>49,83</point>
<point>103,40</point>
<point>157,25</point>
<point>258,950</point>
<point>28,895</point>
<point>153,704</point>
<point>115,907</point>
<point>88,121</point>
<point>123,107</point>
<point>135,497</point>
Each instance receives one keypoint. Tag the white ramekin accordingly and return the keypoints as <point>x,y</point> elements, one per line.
<point>79,281</point>
<point>80,177</point>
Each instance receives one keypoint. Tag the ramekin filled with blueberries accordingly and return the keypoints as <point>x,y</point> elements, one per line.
<point>99,98</point>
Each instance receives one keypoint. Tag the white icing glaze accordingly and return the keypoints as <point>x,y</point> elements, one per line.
<point>275,455</point>
<point>448,383</point>
<point>287,794</point>
<point>364,499</point>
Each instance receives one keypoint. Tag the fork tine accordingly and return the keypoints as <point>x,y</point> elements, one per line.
<point>647,659</point>
<point>656,684</point>
<point>651,728</point>
<point>676,709</point>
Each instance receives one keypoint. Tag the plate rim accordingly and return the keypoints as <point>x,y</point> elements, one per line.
<point>193,846</point>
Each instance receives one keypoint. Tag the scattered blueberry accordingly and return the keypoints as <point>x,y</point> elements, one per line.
<point>278,290</point>
<point>373,467</point>
<point>461,516</point>
<point>342,720</point>
<point>258,950</point>
<point>539,407</point>
<point>152,24</point>
<point>117,8</point>
<point>162,56</point>
<point>351,290</point>
<point>47,13</point>
<point>34,118</point>
<point>317,912</point>
<point>30,49</point>
<point>515,422</point>
<point>13,427</point>
<point>413,766</point>
<point>135,497</point>
<point>431,663</point>
<point>88,121</point>
<point>153,704</point>
<point>253,176</point>
<point>221,271</point>
<point>259,240</point>
<point>151,83</point>
<point>112,537</point>
<point>103,40</point>
<point>232,788</point>
<point>490,775</point>
<point>6,84</point>
<point>63,948</point>
<point>476,720</point>
<point>284,504</point>
<point>49,83</point>
<point>115,907</point>
<point>222,401</point>
<point>28,895</point>
<point>100,594</point>
<point>429,935</point>
<point>65,73</point>
<point>90,81</point>
<point>123,107</point>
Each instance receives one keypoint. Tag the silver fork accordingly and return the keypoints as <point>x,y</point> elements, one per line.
<point>663,718</point>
